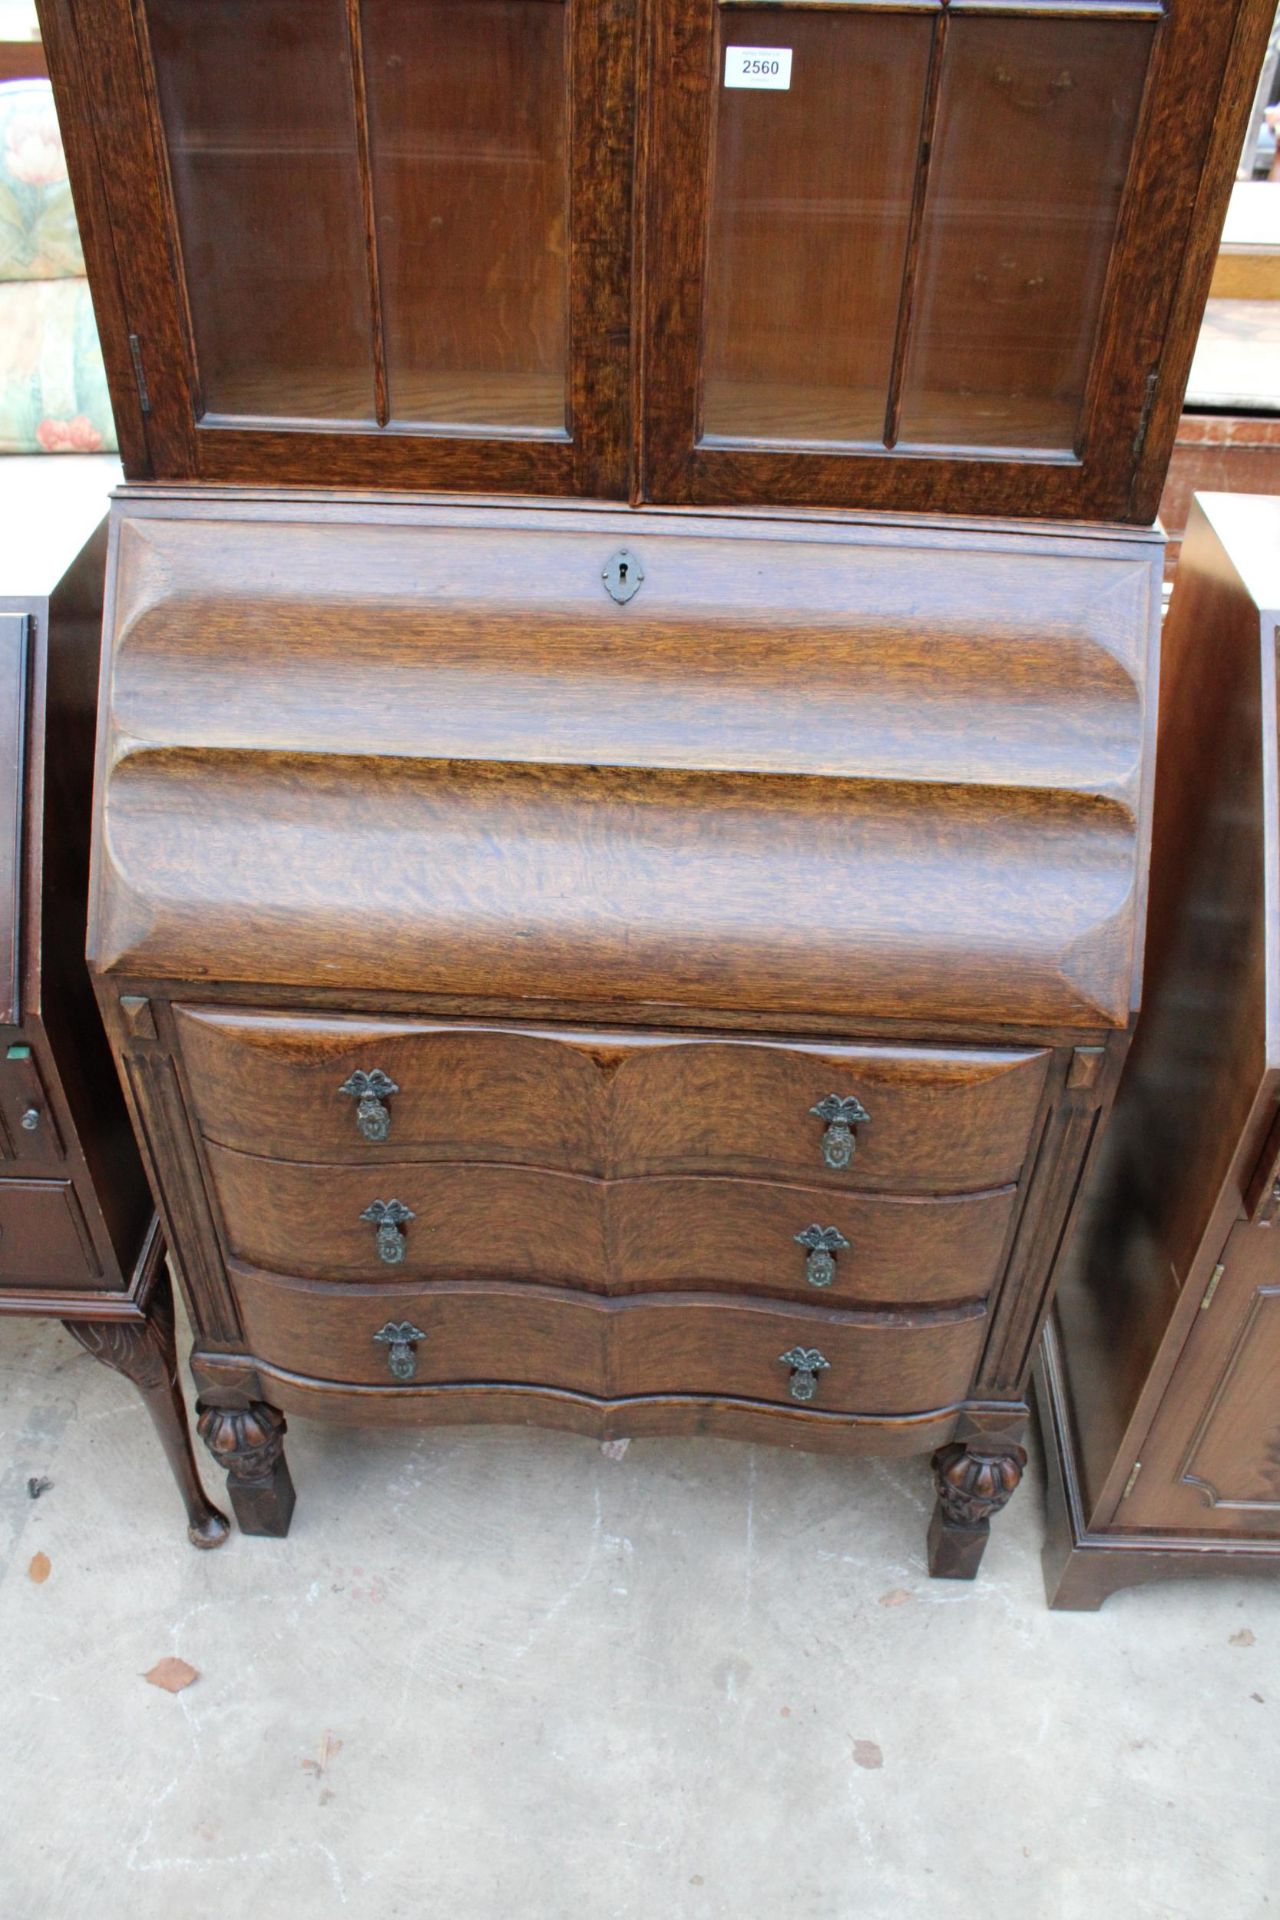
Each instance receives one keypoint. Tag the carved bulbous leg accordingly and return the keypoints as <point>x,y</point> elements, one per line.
<point>144,1352</point>
<point>249,1443</point>
<point>974,1480</point>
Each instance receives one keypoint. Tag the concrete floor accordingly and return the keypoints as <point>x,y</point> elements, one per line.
<point>497,1673</point>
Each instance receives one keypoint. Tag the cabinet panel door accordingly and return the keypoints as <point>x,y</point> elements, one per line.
<point>13,707</point>
<point>944,254</point>
<point>1211,1462</point>
<point>44,1241</point>
<point>369,242</point>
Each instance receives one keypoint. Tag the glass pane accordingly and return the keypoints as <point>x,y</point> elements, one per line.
<point>469,137</point>
<point>257,102</point>
<point>1035,126</point>
<point>810,206</point>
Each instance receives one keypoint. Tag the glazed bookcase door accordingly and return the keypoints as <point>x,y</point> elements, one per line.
<point>373,241</point>
<point>941,268</point>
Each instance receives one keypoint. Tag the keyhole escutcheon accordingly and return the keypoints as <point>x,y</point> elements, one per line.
<point>622,576</point>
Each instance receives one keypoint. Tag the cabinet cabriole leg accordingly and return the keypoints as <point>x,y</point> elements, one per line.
<point>144,1351</point>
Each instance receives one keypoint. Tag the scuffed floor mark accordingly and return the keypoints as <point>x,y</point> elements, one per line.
<point>136,1860</point>
<point>903,1488</point>
<point>34,1444</point>
<point>731,1676</point>
<point>956,1593</point>
<point>620,1549</point>
<point>749,1558</point>
<point>575,1586</point>
<point>326,1753</point>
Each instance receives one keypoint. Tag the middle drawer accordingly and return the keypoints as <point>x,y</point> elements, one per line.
<point>476,1222</point>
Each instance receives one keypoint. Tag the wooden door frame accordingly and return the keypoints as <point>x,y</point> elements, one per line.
<point>1151,305</point>
<point>119,174</point>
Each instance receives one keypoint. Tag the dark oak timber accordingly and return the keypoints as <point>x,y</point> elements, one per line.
<point>78,1235</point>
<point>409,249</point>
<point>145,1353</point>
<point>692,1014</point>
<point>1158,1377</point>
<point>606,911</point>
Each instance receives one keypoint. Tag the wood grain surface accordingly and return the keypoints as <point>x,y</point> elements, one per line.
<point>614,1105</point>
<point>743,296</point>
<point>44,1241</point>
<point>843,817</point>
<point>1160,1378</point>
<point>482,1222</point>
<point>283,238</point>
<point>1090,344</point>
<point>625,1417</point>
<point>1210,1462</point>
<point>13,700</point>
<point>74,1202</point>
<point>607,899</point>
<point>78,1233</point>
<point>683,1344</point>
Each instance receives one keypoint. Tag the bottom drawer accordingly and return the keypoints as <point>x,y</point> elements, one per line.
<point>844,1362</point>
<point>44,1241</point>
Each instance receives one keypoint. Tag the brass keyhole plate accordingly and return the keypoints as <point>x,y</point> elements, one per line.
<point>622,576</point>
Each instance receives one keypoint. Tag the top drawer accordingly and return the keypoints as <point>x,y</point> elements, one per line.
<point>614,1105</point>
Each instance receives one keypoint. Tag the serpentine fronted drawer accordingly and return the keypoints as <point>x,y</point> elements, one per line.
<point>614,1105</point>
<point>874,1363</point>
<point>865,770</point>
<point>745,1236</point>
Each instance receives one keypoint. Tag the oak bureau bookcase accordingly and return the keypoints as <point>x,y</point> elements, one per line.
<point>683,1012</point>
<point>538,246</point>
<point>610,908</point>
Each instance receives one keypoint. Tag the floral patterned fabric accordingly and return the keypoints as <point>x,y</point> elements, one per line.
<point>38,236</point>
<point>53,389</point>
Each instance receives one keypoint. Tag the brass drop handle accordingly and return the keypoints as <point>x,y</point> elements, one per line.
<point>389,1217</point>
<point>842,1113</point>
<point>371,1090</point>
<point>806,1363</point>
<point>400,1338</point>
<point>823,1243</point>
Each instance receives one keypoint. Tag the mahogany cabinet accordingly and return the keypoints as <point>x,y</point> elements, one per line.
<point>78,1233</point>
<point>929,255</point>
<point>1160,1378</point>
<point>641,972</point>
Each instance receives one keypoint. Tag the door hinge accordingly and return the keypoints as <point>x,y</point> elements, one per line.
<point>1212,1287</point>
<point>135,354</point>
<point>1144,418</point>
<point>1132,1481</point>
